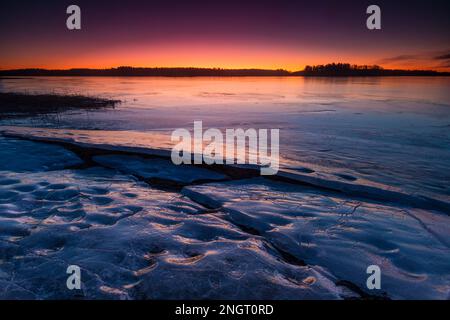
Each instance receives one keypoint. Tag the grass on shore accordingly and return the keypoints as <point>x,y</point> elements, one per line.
<point>14,105</point>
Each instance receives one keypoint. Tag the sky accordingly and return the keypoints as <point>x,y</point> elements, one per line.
<point>224,34</point>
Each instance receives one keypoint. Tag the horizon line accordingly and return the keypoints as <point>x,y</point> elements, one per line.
<point>222,68</point>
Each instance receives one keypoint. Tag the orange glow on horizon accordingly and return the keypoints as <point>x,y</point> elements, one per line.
<point>191,55</point>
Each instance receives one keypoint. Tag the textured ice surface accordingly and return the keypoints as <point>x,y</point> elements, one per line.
<point>342,235</point>
<point>246,239</point>
<point>132,241</point>
<point>17,155</point>
<point>158,168</point>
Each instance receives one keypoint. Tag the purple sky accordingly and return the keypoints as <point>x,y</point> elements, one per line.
<point>229,34</point>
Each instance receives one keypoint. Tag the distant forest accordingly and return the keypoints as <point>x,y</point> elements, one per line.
<point>328,70</point>
<point>346,69</point>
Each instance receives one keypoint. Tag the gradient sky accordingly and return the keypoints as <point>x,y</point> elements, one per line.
<point>227,34</point>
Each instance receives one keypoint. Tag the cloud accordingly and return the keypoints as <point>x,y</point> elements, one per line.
<point>441,59</point>
<point>401,58</point>
<point>444,65</point>
<point>445,56</point>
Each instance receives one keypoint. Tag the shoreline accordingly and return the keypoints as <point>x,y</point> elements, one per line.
<point>366,190</point>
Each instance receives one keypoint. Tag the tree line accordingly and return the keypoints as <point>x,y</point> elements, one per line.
<point>329,70</point>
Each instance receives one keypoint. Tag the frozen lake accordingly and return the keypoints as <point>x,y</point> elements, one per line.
<point>390,132</point>
<point>141,228</point>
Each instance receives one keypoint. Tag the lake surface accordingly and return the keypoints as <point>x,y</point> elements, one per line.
<point>392,132</point>
<point>140,227</point>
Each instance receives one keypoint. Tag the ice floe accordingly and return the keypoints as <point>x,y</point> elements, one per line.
<point>162,169</point>
<point>133,242</point>
<point>22,156</point>
<point>341,234</point>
